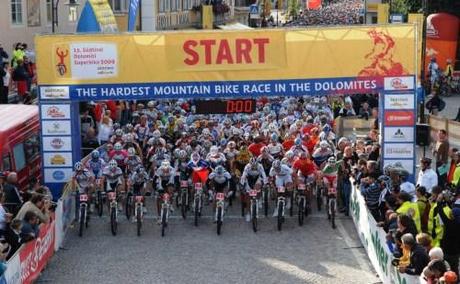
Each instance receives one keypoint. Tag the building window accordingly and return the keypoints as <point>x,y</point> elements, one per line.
<point>16,12</point>
<point>161,6</point>
<point>19,157</point>
<point>173,5</point>
<point>119,6</point>
<point>167,5</point>
<point>73,14</point>
<point>49,11</point>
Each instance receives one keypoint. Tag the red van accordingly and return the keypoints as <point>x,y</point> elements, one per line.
<point>20,142</point>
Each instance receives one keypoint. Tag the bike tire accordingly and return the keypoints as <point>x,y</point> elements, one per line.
<point>319,200</point>
<point>266,203</point>
<point>163,221</point>
<point>139,220</point>
<point>113,221</point>
<point>128,207</point>
<point>333,215</point>
<point>82,220</point>
<point>280,217</point>
<point>184,205</point>
<point>301,212</point>
<point>254,217</point>
<point>100,204</point>
<point>219,220</point>
<point>197,211</point>
<point>291,209</point>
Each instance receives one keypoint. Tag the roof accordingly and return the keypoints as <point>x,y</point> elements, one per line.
<point>12,115</point>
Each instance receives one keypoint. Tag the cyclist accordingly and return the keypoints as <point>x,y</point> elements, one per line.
<point>215,158</point>
<point>265,159</point>
<point>322,153</point>
<point>113,178</point>
<point>132,161</point>
<point>117,137</point>
<point>299,147</point>
<point>330,171</point>
<point>304,169</point>
<point>275,148</point>
<point>220,180</point>
<point>119,155</point>
<point>252,178</point>
<point>141,130</point>
<point>137,183</point>
<point>95,164</point>
<point>82,179</point>
<point>282,176</point>
<point>165,182</point>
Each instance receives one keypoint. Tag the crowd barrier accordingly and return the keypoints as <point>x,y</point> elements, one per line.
<point>373,239</point>
<point>30,260</point>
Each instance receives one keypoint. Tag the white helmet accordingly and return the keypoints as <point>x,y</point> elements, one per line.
<point>118,147</point>
<point>131,151</point>
<point>113,164</point>
<point>165,164</point>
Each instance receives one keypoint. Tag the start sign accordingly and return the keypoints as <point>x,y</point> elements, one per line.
<point>226,51</point>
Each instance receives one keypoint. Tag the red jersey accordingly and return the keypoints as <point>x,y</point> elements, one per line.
<point>305,166</point>
<point>255,149</point>
<point>287,145</point>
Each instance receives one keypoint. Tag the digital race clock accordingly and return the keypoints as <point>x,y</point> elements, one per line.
<point>225,106</point>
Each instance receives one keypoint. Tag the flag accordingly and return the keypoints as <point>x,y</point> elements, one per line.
<point>313,4</point>
<point>133,7</point>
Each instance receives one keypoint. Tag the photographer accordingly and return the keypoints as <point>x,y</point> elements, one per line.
<point>450,243</point>
<point>39,205</point>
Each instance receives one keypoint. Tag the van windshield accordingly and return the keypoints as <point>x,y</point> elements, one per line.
<point>19,157</point>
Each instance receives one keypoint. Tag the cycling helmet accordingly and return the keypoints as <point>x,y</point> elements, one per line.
<point>195,156</point>
<point>78,166</point>
<point>323,145</point>
<point>165,164</point>
<point>231,144</point>
<point>223,142</point>
<point>119,132</point>
<point>118,147</point>
<point>206,131</point>
<point>214,150</point>
<point>150,104</point>
<point>129,127</point>
<point>129,138</point>
<point>298,141</point>
<point>113,164</point>
<point>331,160</point>
<point>95,154</point>
<point>176,152</point>
<point>327,128</point>
<point>290,155</point>
<point>220,170</point>
<point>276,164</point>
<point>131,151</point>
<point>253,162</point>
<point>274,137</point>
<point>140,169</point>
<point>116,126</point>
<point>182,154</point>
<point>156,134</point>
<point>151,141</point>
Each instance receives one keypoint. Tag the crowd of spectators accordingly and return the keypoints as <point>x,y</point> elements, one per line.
<point>18,73</point>
<point>21,213</point>
<point>421,219</point>
<point>336,12</point>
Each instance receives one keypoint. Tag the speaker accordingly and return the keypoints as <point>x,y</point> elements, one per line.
<point>422,135</point>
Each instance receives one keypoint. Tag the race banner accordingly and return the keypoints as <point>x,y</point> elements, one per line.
<point>35,254</point>
<point>225,63</point>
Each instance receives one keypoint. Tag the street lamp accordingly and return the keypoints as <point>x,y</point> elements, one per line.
<point>54,11</point>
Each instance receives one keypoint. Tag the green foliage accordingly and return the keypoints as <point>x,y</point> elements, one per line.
<point>293,8</point>
<point>399,7</point>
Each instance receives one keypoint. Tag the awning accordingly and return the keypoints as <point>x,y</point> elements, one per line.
<point>234,26</point>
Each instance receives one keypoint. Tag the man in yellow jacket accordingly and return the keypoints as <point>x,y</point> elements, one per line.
<point>435,225</point>
<point>409,208</point>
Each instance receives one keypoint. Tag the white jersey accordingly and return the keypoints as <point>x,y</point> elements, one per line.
<point>285,171</point>
<point>220,179</point>
<point>112,176</point>
<point>275,149</point>
<point>248,171</point>
<point>166,174</point>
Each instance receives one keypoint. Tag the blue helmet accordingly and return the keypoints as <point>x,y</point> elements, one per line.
<point>327,128</point>
<point>95,154</point>
<point>298,141</point>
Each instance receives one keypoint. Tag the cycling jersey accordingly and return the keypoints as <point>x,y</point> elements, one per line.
<point>83,179</point>
<point>252,176</point>
<point>165,176</point>
<point>231,153</point>
<point>305,166</point>
<point>275,149</point>
<point>113,176</point>
<point>132,162</point>
<point>221,181</point>
<point>216,160</point>
<point>95,166</point>
<point>282,177</point>
<point>119,157</point>
<point>320,156</point>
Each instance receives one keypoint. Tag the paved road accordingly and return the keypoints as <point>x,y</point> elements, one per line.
<point>314,253</point>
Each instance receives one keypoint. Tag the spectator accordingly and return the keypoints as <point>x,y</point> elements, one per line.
<point>13,237</point>
<point>424,240</point>
<point>3,54</point>
<point>5,217</point>
<point>4,250</point>
<point>410,208</point>
<point>435,104</point>
<point>435,225</point>
<point>423,207</point>
<point>21,77</point>
<point>427,177</point>
<point>2,181</point>
<point>453,165</point>
<point>371,191</point>
<point>105,130</point>
<point>38,205</point>
<point>13,198</point>
<point>432,271</point>
<point>6,80</point>
<point>450,242</point>
<point>364,111</point>
<point>86,122</point>
<point>18,54</point>
<point>29,227</point>
<point>441,155</point>
<point>89,141</point>
<point>30,72</point>
<point>406,186</point>
<point>347,109</point>
<point>418,256</point>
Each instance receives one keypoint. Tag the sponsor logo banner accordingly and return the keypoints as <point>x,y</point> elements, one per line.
<point>55,111</point>
<point>398,150</point>
<point>399,83</point>
<point>399,118</point>
<point>93,60</point>
<point>60,159</point>
<point>58,175</point>
<point>399,134</point>
<point>54,93</point>
<point>57,143</point>
<point>35,254</point>
<point>56,127</point>
<point>399,101</point>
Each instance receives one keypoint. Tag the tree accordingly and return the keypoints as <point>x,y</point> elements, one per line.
<point>293,8</point>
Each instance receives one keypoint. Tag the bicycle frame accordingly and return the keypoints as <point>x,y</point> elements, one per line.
<point>256,200</point>
<point>220,203</point>
<point>139,203</point>
<point>165,204</point>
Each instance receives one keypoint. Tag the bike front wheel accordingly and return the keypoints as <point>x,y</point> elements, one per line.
<point>301,212</point>
<point>280,217</point>
<point>82,220</point>
<point>219,220</point>
<point>332,209</point>
<point>113,220</point>
<point>139,219</point>
<point>164,221</point>
<point>254,216</point>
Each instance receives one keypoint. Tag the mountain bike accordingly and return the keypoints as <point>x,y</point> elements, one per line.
<point>183,199</point>
<point>220,207</point>
<point>331,200</point>
<point>281,205</point>
<point>198,201</point>
<point>164,213</point>
<point>301,198</point>
<point>254,208</point>
<point>138,212</point>
<point>265,197</point>
<point>83,213</point>
<point>113,211</point>
<point>100,197</point>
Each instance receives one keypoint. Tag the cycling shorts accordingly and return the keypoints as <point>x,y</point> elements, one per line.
<point>220,187</point>
<point>137,188</point>
<point>111,186</point>
<point>252,181</point>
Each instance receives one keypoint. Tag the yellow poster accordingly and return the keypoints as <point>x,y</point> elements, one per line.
<point>418,20</point>
<point>207,17</point>
<point>382,13</point>
<point>223,56</point>
<point>104,15</point>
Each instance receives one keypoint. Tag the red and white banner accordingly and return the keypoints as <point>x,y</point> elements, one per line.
<point>35,254</point>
